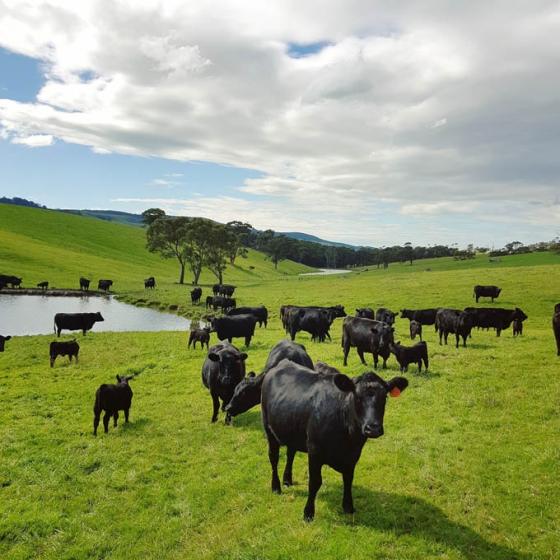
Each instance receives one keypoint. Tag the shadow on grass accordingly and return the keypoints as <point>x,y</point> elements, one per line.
<point>250,419</point>
<point>133,425</point>
<point>409,515</point>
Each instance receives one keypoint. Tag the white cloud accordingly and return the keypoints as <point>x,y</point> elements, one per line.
<point>410,109</point>
<point>34,140</point>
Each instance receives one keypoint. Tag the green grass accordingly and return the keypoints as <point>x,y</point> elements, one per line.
<point>468,468</point>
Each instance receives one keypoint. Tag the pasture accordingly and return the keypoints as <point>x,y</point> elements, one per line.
<point>467,469</point>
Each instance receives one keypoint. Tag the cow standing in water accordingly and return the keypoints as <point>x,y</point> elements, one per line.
<point>329,417</point>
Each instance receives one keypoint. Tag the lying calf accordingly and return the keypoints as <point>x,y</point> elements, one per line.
<point>71,348</point>
<point>411,354</point>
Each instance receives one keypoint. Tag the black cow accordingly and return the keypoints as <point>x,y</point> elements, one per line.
<point>423,316</point>
<point>486,291</point>
<point>150,283</point>
<point>226,290</point>
<point>238,326</point>
<point>111,399</point>
<point>196,294</point>
<point>216,289</point>
<point>104,285</point>
<point>555,327</point>
<point>261,313</point>
<point>209,301</point>
<point>70,349</point>
<point>286,312</point>
<point>3,340</point>
<point>248,392</point>
<point>495,317</point>
<point>43,285</point>
<point>12,281</point>
<point>415,329</point>
<point>455,321</point>
<point>330,417</point>
<point>228,304</point>
<point>84,284</point>
<point>199,335</point>
<point>385,315</point>
<point>316,321</point>
<point>76,321</point>
<point>517,326</point>
<point>406,355</point>
<point>365,313</point>
<point>367,335</point>
<point>222,370</point>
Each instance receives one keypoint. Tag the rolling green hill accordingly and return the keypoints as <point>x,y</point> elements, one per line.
<point>39,244</point>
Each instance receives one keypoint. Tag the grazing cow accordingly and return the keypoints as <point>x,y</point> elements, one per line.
<point>455,321</point>
<point>216,289</point>
<point>150,283</point>
<point>3,340</point>
<point>70,349</point>
<point>261,313</point>
<point>555,327</point>
<point>209,302</point>
<point>365,313</point>
<point>517,326</point>
<point>111,399</point>
<point>228,304</point>
<point>12,281</point>
<point>238,326</point>
<point>196,294</point>
<point>222,371</point>
<point>76,321</point>
<point>495,317</point>
<point>423,316</point>
<point>43,285</point>
<point>248,392</point>
<point>385,315</point>
<point>226,290</point>
<point>415,329</point>
<point>104,285</point>
<point>486,291</point>
<point>286,312</point>
<point>367,335</point>
<point>330,417</point>
<point>314,320</point>
<point>84,284</point>
<point>199,335</point>
<point>411,354</point>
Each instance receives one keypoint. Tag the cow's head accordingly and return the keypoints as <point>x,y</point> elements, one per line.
<point>338,310</point>
<point>325,369</point>
<point>247,394</point>
<point>2,341</point>
<point>232,364</point>
<point>385,333</point>
<point>415,328</point>
<point>99,317</point>
<point>369,394</point>
<point>365,313</point>
<point>519,315</point>
<point>124,379</point>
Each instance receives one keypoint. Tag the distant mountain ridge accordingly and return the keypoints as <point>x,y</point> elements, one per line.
<point>314,239</point>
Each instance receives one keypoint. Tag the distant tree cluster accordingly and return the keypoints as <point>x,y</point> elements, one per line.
<point>518,248</point>
<point>20,202</point>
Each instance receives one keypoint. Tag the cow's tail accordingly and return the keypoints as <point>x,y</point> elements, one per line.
<point>425,357</point>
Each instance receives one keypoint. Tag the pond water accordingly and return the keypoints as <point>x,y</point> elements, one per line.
<point>25,315</point>
<point>326,272</point>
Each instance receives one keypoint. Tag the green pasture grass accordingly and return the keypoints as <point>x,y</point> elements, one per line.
<point>467,469</point>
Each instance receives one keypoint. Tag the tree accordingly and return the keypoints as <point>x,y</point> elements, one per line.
<point>239,239</point>
<point>277,248</point>
<point>408,252</point>
<point>167,236</point>
<point>198,243</point>
<point>151,215</point>
<point>220,239</point>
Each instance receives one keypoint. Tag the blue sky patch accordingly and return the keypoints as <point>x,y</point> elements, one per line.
<point>21,77</point>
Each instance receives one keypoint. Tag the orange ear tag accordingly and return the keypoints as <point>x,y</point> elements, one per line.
<point>395,392</point>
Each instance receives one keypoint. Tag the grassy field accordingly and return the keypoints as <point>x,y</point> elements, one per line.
<point>468,468</point>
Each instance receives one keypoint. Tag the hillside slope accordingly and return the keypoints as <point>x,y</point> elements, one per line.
<point>59,247</point>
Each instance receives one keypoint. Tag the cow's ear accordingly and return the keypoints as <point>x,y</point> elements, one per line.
<point>243,356</point>
<point>344,383</point>
<point>397,314</point>
<point>251,374</point>
<point>7,338</point>
<point>397,385</point>
<point>119,378</point>
<point>214,357</point>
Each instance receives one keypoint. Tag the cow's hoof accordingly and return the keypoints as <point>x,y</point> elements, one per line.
<point>308,516</point>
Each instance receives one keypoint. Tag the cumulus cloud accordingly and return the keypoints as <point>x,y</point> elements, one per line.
<point>415,110</point>
<point>34,141</point>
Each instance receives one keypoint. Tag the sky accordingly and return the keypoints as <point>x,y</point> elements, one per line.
<point>365,122</point>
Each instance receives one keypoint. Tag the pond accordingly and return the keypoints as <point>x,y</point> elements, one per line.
<point>26,315</point>
<point>326,272</point>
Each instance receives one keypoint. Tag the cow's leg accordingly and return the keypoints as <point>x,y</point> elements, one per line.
<point>274,456</point>
<point>115,418</point>
<point>84,332</point>
<point>58,332</point>
<point>375,360</point>
<point>445,337</point>
<point>96,418</point>
<point>126,412</point>
<point>440,335</point>
<point>106,418</point>
<point>361,354</point>
<point>76,358</point>
<point>384,362</point>
<point>456,340</point>
<point>190,342</point>
<point>346,348</point>
<point>293,334</point>
<point>229,339</point>
<point>216,404</point>
<point>315,481</point>
<point>248,341</point>
<point>347,501</point>
<point>498,331</point>
<point>287,478</point>
<point>52,360</point>
<point>464,341</point>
